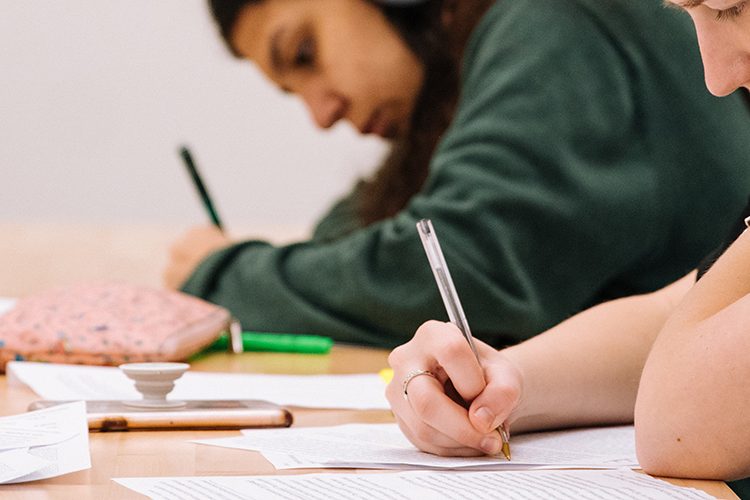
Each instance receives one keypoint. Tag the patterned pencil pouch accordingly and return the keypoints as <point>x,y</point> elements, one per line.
<point>108,324</point>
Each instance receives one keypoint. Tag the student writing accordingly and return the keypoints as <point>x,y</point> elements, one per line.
<point>689,402</point>
<point>565,150</point>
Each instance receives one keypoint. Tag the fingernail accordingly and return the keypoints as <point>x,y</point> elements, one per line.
<point>485,417</point>
<point>490,445</point>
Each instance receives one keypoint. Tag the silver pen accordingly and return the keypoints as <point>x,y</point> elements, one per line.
<point>450,298</point>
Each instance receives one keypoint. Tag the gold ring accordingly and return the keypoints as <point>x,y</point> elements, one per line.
<point>412,374</point>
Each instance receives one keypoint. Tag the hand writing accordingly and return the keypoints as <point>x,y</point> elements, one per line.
<point>189,250</point>
<point>430,418</point>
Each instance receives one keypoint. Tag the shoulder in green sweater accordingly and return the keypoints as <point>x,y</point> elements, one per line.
<point>586,161</point>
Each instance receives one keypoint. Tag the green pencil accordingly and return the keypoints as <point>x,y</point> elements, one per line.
<point>277,342</point>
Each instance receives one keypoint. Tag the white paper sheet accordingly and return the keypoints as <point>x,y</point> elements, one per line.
<point>57,436</point>
<point>552,485</point>
<point>38,428</point>
<point>72,382</point>
<point>12,437</point>
<point>384,446</point>
<point>18,463</point>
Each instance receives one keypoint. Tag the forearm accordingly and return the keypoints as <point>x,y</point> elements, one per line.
<point>691,414</point>
<point>587,369</point>
<point>692,402</point>
<point>727,281</point>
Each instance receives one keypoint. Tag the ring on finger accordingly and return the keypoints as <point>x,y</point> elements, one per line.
<point>410,376</point>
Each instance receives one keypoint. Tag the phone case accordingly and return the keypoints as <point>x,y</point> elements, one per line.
<point>108,416</point>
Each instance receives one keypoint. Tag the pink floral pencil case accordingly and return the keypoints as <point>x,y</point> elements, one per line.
<point>108,324</point>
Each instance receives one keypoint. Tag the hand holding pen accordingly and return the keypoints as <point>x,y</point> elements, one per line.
<point>451,300</point>
<point>200,187</point>
<point>430,416</point>
<point>187,252</point>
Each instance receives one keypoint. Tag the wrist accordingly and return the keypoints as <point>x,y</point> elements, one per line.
<point>519,410</point>
<point>529,407</point>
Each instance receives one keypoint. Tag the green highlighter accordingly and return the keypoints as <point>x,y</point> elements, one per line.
<point>277,342</point>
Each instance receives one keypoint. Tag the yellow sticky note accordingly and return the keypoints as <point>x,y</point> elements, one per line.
<point>386,374</point>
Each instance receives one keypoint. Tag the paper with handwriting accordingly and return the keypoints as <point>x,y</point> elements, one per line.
<point>383,446</point>
<point>520,485</point>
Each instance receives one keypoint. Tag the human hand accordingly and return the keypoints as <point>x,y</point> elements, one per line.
<point>433,421</point>
<point>189,250</point>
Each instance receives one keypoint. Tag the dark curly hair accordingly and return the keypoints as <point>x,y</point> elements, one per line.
<point>439,47</point>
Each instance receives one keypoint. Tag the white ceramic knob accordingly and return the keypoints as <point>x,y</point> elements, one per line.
<point>154,381</point>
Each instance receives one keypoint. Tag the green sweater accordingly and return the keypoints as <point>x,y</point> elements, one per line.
<point>586,161</point>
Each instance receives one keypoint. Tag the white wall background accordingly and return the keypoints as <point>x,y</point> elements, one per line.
<point>96,96</point>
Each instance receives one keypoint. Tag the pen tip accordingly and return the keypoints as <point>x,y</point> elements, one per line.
<point>506,451</point>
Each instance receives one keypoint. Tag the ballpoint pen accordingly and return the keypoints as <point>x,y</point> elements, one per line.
<point>450,298</point>
<point>187,158</point>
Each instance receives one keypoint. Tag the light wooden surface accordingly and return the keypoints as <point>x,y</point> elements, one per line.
<point>42,255</point>
<point>170,453</point>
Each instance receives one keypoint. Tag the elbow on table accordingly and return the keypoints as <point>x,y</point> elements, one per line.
<point>671,449</point>
<point>690,415</point>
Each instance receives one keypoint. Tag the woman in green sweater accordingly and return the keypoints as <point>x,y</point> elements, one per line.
<point>565,150</point>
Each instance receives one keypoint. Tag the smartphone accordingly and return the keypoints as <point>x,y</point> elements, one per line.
<point>108,416</point>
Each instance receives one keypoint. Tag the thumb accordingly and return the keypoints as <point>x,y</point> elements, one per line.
<point>492,407</point>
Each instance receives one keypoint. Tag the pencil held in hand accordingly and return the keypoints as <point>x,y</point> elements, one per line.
<point>187,158</point>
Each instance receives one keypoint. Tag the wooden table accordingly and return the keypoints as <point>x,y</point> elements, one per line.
<point>170,453</point>
<point>37,256</point>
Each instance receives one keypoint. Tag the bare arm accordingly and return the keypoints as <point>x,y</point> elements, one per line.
<point>694,400</point>
<point>584,371</point>
<point>587,369</point>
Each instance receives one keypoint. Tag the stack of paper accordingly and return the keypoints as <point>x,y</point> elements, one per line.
<point>73,382</point>
<point>579,484</point>
<point>383,446</point>
<point>44,443</point>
